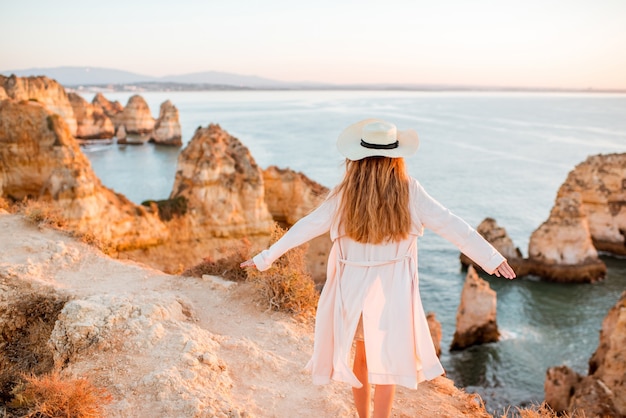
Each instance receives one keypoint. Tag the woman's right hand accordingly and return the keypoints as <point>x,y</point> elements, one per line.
<point>247,263</point>
<point>504,270</point>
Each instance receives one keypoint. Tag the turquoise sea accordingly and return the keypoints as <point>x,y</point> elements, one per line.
<point>502,155</point>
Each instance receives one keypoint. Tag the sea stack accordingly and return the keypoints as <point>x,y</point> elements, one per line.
<point>135,117</point>
<point>223,186</point>
<point>476,315</point>
<point>499,238</point>
<point>167,127</point>
<point>589,214</point>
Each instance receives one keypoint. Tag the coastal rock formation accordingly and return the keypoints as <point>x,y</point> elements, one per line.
<point>167,127</point>
<point>92,122</point>
<point>608,362</point>
<point>135,117</point>
<point>498,237</point>
<point>39,159</point>
<point>561,249</point>
<point>109,108</point>
<point>3,93</point>
<point>291,195</point>
<point>476,315</point>
<point>43,90</point>
<point>601,183</point>
<point>603,391</point>
<point>589,215</point>
<point>434,326</point>
<point>559,386</point>
<point>223,187</point>
<point>121,134</point>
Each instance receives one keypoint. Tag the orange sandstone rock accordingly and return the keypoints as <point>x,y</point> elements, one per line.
<point>109,108</point>
<point>40,159</point>
<point>135,117</point>
<point>92,122</point>
<point>476,315</point>
<point>167,127</point>
<point>43,90</point>
<point>603,391</point>
<point>223,186</point>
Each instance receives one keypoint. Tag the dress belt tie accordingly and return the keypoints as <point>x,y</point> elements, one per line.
<point>373,263</point>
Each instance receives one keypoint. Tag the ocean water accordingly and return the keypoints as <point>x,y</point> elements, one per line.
<point>502,155</point>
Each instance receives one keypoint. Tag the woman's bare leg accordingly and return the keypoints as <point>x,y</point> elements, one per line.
<point>383,400</point>
<point>362,394</point>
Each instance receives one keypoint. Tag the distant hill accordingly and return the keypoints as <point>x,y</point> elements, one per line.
<point>95,76</point>
<point>76,76</point>
<point>119,80</point>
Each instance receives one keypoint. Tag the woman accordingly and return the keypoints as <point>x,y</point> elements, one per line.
<point>371,294</point>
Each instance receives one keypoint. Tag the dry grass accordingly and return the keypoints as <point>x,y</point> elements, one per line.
<point>50,396</point>
<point>226,267</point>
<point>27,318</point>
<point>5,205</point>
<point>541,411</point>
<point>286,286</point>
<point>42,214</point>
<point>88,238</point>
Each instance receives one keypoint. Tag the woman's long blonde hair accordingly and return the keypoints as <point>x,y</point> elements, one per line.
<point>375,200</point>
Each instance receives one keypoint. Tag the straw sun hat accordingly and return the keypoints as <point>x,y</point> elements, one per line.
<point>375,137</point>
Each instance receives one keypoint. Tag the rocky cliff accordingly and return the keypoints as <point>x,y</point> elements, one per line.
<point>167,127</point>
<point>44,90</point>
<point>223,186</point>
<point>601,182</point>
<point>39,159</point>
<point>170,346</point>
<point>291,195</point>
<point>589,214</point>
<point>92,122</point>
<point>603,391</point>
<point>216,202</point>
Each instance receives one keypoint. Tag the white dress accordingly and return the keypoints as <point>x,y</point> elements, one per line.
<point>381,283</point>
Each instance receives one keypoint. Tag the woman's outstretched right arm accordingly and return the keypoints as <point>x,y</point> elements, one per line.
<point>313,225</point>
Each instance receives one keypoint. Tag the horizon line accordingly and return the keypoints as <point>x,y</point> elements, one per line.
<point>314,85</point>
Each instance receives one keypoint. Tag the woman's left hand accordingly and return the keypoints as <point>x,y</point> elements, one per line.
<point>505,270</point>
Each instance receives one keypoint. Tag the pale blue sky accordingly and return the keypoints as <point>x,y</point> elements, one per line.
<point>532,43</point>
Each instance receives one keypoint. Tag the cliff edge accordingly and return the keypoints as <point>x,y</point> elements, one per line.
<point>166,345</point>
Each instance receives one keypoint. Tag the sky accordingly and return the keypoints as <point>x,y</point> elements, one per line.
<point>532,43</point>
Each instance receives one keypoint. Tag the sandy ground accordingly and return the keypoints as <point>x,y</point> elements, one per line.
<point>172,346</point>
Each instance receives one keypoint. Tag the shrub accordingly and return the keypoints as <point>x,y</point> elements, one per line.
<point>43,213</point>
<point>226,267</point>
<point>286,286</point>
<point>542,411</point>
<point>27,319</point>
<point>50,396</point>
<point>169,208</point>
<point>89,238</point>
<point>4,204</point>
